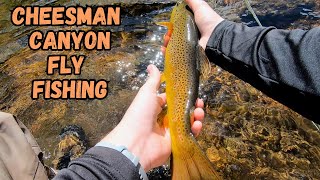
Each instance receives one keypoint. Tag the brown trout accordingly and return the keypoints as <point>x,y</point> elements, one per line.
<point>181,75</point>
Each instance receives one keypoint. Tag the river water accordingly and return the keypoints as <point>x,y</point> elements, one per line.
<point>246,134</point>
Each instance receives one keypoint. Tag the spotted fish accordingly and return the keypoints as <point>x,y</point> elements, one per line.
<point>181,75</point>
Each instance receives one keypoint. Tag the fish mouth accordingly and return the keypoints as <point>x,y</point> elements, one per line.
<point>183,3</point>
<point>179,3</point>
<point>186,7</point>
<point>189,9</point>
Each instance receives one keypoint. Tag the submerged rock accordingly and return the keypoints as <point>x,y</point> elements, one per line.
<point>73,143</point>
<point>162,172</point>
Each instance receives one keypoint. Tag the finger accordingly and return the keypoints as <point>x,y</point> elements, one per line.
<point>163,99</point>
<point>153,81</point>
<point>198,114</point>
<point>196,128</point>
<point>199,103</point>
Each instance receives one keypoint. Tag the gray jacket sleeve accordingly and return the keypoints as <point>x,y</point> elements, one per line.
<point>283,64</point>
<point>100,163</point>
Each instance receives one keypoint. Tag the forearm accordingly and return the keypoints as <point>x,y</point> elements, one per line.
<point>100,163</point>
<point>282,64</point>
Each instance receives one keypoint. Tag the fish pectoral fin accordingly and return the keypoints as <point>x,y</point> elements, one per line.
<point>203,63</point>
<point>162,78</point>
<point>162,119</point>
<point>169,25</point>
<point>166,121</point>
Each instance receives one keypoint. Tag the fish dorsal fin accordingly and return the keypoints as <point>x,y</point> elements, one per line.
<point>203,64</point>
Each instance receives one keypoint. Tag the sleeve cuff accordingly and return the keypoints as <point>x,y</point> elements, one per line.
<point>122,149</point>
<point>106,159</point>
<point>217,33</point>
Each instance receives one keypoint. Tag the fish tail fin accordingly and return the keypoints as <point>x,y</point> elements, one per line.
<point>192,166</point>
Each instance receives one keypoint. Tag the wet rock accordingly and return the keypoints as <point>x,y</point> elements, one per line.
<point>73,143</point>
<point>159,173</point>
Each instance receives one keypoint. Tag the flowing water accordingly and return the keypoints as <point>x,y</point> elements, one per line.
<point>246,134</point>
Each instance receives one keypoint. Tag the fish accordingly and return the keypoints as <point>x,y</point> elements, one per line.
<point>181,75</point>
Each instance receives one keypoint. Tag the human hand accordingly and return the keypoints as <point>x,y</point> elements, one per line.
<point>206,19</point>
<point>139,130</point>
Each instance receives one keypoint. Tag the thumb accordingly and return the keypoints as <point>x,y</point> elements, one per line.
<point>198,5</point>
<point>153,81</point>
<point>206,19</point>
